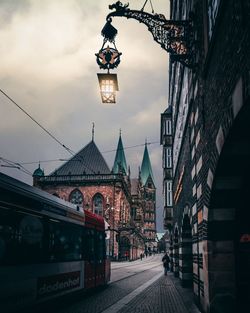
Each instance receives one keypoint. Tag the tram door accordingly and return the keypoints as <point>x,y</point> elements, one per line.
<point>94,273</point>
<point>100,256</point>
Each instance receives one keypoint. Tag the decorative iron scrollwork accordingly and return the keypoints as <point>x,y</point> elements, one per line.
<point>173,36</point>
<point>108,58</point>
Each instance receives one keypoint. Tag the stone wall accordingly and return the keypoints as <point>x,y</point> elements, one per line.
<point>218,93</point>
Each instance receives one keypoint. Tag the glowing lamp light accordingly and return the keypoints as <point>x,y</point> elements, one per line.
<point>108,58</point>
<point>108,86</point>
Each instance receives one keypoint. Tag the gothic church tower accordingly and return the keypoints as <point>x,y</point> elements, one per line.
<point>148,200</point>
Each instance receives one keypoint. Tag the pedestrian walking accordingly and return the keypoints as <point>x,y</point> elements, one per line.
<point>141,256</point>
<point>126,255</point>
<point>166,261</point>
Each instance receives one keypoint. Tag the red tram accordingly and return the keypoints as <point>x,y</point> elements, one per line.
<point>48,248</point>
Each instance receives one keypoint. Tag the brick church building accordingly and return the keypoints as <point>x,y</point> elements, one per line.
<point>128,205</point>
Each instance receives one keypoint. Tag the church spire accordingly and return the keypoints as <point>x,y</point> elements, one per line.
<point>146,168</point>
<point>120,164</point>
<point>93,131</point>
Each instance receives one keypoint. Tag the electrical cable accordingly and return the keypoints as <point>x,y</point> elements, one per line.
<point>44,161</point>
<point>130,147</point>
<point>44,129</point>
<point>35,121</point>
<point>152,6</point>
<point>15,165</point>
<point>69,160</point>
<point>145,5</point>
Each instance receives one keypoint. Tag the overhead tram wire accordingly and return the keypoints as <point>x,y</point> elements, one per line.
<point>54,138</point>
<point>14,165</point>
<point>44,161</point>
<point>44,129</point>
<point>69,160</point>
<point>135,146</point>
<point>36,122</point>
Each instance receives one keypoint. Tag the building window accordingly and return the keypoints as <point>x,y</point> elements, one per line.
<point>167,158</point>
<point>123,210</point>
<point>167,127</point>
<point>169,194</point>
<point>98,204</point>
<point>184,10</point>
<point>133,212</point>
<point>213,6</point>
<point>164,158</point>
<point>76,197</point>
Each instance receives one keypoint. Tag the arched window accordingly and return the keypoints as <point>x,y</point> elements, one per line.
<point>76,197</point>
<point>98,204</point>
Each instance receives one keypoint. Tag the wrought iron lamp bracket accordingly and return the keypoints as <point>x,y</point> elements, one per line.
<point>173,36</point>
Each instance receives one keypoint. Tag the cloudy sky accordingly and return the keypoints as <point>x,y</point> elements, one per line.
<point>48,67</point>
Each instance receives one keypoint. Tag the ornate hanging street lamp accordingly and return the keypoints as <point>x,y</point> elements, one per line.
<point>108,58</point>
<point>175,37</point>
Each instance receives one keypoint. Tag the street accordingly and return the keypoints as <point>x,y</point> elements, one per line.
<point>102,162</point>
<point>138,286</point>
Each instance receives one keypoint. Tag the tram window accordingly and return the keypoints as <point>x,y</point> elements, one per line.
<point>89,245</point>
<point>8,240</point>
<point>31,239</point>
<point>65,242</point>
<point>28,238</point>
<point>21,238</point>
<point>100,246</point>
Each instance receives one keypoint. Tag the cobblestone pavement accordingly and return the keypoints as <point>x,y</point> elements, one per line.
<point>162,297</point>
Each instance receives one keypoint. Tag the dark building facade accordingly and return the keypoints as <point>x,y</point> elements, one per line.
<point>87,181</point>
<point>209,106</point>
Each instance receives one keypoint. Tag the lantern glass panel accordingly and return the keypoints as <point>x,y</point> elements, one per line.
<point>107,91</point>
<point>108,87</point>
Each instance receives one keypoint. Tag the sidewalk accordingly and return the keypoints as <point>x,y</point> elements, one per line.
<point>164,296</point>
